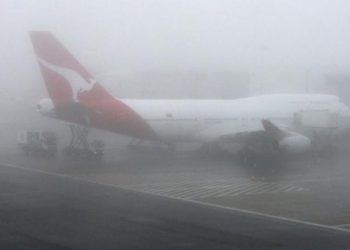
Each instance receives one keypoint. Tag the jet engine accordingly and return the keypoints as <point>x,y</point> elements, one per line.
<point>295,144</point>
<point>46,107</point>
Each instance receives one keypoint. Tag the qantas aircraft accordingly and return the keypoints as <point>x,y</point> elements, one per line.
<point>276,122</point>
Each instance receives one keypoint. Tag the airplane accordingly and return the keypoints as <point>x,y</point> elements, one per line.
<point>274,121</point>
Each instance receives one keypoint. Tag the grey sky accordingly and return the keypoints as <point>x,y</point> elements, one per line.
<point>140,35</point>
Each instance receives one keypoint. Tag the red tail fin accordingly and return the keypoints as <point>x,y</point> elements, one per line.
<point>68,82</point>
<point>66,79</point>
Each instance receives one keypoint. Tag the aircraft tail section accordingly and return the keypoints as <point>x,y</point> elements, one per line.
<point>77,96</point>
<point>65,78</point>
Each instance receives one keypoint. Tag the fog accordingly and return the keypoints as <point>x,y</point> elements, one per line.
<point>110,193</point>
<point>179,49</point>
<point>137,47</point>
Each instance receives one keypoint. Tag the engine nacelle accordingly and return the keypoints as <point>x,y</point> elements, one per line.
<point>46,107</point>
<point>295,144</point>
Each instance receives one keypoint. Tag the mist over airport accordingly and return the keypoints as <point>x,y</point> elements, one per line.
<point>138,48</point>
<point>194,195</point>
<point>179,49</point>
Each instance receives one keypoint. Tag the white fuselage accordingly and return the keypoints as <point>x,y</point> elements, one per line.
<point>202,120</point>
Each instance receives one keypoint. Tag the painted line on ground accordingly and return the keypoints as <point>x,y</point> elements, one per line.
<point>342,225</point>
<point>335,178</point>
<point>205,204</point>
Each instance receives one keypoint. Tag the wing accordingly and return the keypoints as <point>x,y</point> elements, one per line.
<point>261,130</point>
<point>262,137</point>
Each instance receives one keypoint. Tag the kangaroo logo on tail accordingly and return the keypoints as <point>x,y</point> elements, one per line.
<point>68,81</point>
<point>76,81</point>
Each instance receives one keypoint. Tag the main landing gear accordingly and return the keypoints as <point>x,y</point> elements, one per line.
<point>262,154</point>
<point>79,146</point>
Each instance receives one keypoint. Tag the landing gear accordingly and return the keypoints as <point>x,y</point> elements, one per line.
<point>261,155</point>
<point>79,146</point>
<point>248,157</point>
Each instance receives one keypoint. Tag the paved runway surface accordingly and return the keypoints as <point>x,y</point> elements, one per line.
<point>49,211</point>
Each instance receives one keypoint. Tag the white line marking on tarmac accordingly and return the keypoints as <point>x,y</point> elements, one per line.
<point>205,190</point>
<point>230,192</point>
<point>224,189</point>
<point>342,225</point>
<point>205,204</point>
<point>335,178</point>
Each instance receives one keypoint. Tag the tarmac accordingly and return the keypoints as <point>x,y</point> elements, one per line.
<point>144,201</point>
